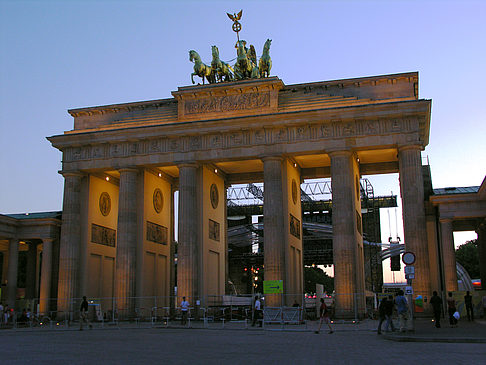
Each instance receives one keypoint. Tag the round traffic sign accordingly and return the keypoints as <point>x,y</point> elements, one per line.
<point>408,258</point>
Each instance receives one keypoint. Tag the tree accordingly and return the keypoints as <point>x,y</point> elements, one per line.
<point>315,275</point>
<point>468,256</point>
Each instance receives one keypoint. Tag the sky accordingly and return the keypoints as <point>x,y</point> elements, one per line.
<point>58,55</point>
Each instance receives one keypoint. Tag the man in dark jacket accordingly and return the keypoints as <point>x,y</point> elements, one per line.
<point>386,311</point>
<point>436,304</point>
<point>381,312</point>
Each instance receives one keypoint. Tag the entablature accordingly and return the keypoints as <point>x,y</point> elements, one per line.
<point>246,98</point>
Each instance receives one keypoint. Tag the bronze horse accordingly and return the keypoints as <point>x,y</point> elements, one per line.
<point>221,70</point>
<point>265,63</point>
<point>200,69</point>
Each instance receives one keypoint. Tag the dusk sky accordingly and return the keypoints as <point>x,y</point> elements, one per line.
<point>58,55</point>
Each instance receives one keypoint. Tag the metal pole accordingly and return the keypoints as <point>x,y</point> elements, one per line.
<point>411,326</point>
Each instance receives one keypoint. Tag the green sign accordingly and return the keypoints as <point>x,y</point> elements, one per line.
<point>272,286</point>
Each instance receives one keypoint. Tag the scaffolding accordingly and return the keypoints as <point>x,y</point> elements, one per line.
<point>245,237</point>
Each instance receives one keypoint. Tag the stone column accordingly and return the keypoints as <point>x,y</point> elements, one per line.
<point>172,300</point>
<point>448,255</point>
<point>347,242</point>
<point>482,253</point>
<point>46,274</point>
<point>30,275</point>
<point>4,268</point>
<point>126,248</point>
<point>13,267</point>
<point>273,234</point>
<point>188,254</point>
<point>413,211</point>
<point>69,246</point>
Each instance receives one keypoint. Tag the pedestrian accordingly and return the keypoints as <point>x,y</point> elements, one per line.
<point>381,313</point>
<point>483,300</point>
<point>389,314</point>
<point>184,310</point>
<point>324,317</point>
<point>83,314</point>
<point>6,314</point>
<point>451,308</point>
<point>402,310</point>
<point>436,303</point>
<point>257,311</point>
<point>469,306</point>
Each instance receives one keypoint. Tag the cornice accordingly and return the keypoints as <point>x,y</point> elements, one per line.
<point>360,81</point>
<point>124,107</point>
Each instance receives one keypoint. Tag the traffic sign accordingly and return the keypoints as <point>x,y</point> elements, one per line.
<point>410,276</point>
<point>272,286</point>
<point>408,258</point>
<point>409,269</point>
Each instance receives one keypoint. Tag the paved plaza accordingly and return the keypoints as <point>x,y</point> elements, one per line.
<point>349,344</point>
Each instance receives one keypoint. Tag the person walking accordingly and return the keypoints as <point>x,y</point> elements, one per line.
<point>389,314</point>
<point>483,301</point>
<point>469,306</point>
<point>402,310</point>
<point>257,312</point>
<point>83,314</point>
<point>451,308</point>
<point>6,314</point>
<point>324,317</point>
<point>1,314</point>
<point>382,314</point>
<point>436,303</point>
<point>184,310</point>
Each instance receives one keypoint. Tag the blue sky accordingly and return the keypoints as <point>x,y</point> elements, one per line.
<point>57,55</point>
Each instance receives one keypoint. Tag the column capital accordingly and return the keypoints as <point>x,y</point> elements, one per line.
<point>47,240</point>
<point>445,220</point>
<point>408,147</point>
<point>129,169</point>
<point>188,164</point>
<point>338,153</point>
<point>71,174</point>
<point>272,158</point>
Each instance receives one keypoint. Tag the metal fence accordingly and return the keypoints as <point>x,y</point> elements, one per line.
<point>227,311</point>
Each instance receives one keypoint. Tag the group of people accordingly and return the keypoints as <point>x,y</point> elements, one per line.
<point>386,307</point>
<point>436,303</point>
<point>388,304</point>
<point>5,314</point>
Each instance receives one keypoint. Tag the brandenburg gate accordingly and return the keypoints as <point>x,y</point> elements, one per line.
<point>122,164</point>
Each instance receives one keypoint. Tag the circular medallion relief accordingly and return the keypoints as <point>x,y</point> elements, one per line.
<point>105,203</point>
<point>294,191</point>
<point>214,196</point>
<point>158,200</point>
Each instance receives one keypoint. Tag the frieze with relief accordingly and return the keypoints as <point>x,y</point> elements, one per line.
<point>103,235</point>
<point>329,130</point>
<point>157,233</point>
<point>259,136</point>
<point>301,133</point>
<point>227,103</point>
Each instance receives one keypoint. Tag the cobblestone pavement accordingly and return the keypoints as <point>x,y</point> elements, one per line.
<point>222,346</point>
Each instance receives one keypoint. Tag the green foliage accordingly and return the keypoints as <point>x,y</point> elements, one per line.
<point>468,256</point>
<point>315,275</point>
